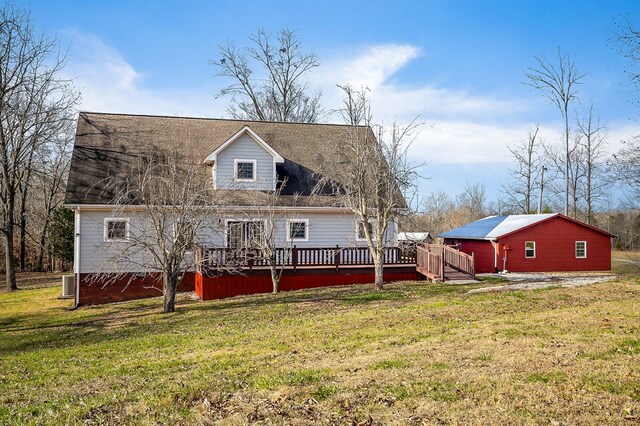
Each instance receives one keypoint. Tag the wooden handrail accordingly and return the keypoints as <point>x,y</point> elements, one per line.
<point>432,259</point>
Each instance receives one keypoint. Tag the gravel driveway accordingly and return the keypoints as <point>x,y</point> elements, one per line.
<point>531,281</point>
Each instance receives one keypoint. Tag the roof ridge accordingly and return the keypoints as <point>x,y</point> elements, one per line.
<point>211,118</point>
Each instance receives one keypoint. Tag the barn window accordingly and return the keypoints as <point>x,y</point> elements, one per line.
<point>530,249</point>
<point>581,249</point>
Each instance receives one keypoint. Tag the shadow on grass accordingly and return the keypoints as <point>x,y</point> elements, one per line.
<point>349,294</point>
<point>53,329</point>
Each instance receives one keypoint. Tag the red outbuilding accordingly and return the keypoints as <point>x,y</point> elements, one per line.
<point>533,243</point>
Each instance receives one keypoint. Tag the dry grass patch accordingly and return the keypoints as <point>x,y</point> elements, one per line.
<point>416,353</point>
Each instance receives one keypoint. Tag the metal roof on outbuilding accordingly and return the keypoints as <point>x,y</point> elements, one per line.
<point>495,226</point>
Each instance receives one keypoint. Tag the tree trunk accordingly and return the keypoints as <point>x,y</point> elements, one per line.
<point>43,241</point>
<point>170,289</point>
<point>567,160</point>
<point>10,263</point>
<point>275,278</point>
<point>23,239</point>
<point>379,272</point>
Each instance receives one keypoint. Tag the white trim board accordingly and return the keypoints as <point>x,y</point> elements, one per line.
<point>246,129</point>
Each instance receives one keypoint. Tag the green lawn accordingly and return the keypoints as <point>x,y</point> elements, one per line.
<point>416,353</point>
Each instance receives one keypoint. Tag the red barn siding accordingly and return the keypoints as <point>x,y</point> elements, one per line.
<point>95,291</point>
<point>130,287</point>
<point>555,248</point>
<point>259,281</point>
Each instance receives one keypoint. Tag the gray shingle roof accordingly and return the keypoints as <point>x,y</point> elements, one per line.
<point>107,144</point>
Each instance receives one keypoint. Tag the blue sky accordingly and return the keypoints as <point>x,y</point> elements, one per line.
<point>458,64</point>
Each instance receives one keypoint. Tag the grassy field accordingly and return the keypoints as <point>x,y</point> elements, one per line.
<point>415,353</point>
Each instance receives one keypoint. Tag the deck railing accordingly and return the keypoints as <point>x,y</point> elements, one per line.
<point>433,258</point>
<point>459,260</point>
<point>299,257</point>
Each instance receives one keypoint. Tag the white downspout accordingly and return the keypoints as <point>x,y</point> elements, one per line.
<point>76,254</point>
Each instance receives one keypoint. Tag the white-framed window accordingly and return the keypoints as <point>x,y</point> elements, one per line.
<point>244,233</point>
<point>116,229</point>
<point>244,170</point>
<point>581,249</point>
<point>360,235</point>
<point>298,230</point>
<point>530,249</point>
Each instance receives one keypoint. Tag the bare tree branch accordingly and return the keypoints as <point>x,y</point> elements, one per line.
<point>269,78</point>
<point>34,104</point>
<point>370,173</point>
<point>558,83</point>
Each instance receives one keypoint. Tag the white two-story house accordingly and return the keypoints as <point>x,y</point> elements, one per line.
<point>241,156</point>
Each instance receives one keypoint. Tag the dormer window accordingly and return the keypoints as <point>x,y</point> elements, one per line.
<point>245,170</point>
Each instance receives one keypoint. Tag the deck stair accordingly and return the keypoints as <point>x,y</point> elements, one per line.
<point>441,263</point>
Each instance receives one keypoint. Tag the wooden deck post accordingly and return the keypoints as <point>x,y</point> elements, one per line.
<point>294,257</point>
<point>336,257</point>
<point>473,265</point>
<point>442,265</point>
<point>250,258</point>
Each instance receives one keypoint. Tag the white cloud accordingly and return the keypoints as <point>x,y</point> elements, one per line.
<point>461,142</point>
<point>109,83</point>
<point>375,68</point>
<point>376,65</point>
<point>462,127</point>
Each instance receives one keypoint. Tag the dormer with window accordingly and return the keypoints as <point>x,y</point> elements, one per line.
<point>244,161</point>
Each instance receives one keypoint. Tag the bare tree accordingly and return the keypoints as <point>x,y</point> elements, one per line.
<point>558,82</point>
<point>176,209</point>
<point>272,215</point>
<point>594,144</point>
<point>573,173</point>
<point>625,165</point>
<point>370,174</point>
<point>626,168</point>
<point>269,78</point>
<point>473,201</point>
<point>627,39</point>
<point>50,173</point>
<point>524,177</point>
<point>32,99</point>
<point>438,207</point>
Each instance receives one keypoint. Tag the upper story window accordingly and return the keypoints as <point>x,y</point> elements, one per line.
<point>298,230</point>
<point>530,249</point>
<point>581,249</point>
<point>116,229</point>
<point>245,169</point>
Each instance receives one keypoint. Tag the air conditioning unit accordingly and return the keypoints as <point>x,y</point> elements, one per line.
<point>67,287</point>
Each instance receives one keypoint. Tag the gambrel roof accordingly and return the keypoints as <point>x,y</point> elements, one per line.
<point>107,144</point>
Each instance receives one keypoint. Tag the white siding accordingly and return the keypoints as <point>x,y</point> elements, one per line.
<point>244,148</point>
<point>325,230</point>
